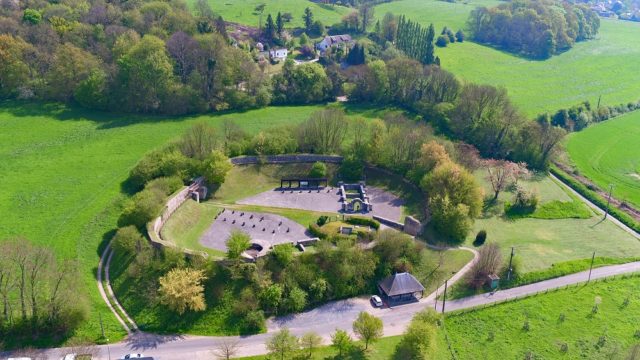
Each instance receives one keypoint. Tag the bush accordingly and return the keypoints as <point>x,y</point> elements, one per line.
<point>166,162</point>
<point>142,208</point>
<point>315,231</point>
<point>318,170</point>
<point>128,240</point>
<point>524,202</point>
<point>253,321</point>
<point>442,41</point>
<point>357,220</point>
<point>166,185</point>
<point>481,237</point>
<point>322,220</point>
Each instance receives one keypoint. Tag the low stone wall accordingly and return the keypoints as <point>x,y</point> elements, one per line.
<point>411,226</point>
<point>285,159</point>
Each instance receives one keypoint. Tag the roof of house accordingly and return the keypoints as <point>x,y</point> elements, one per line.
<point>330,40</point>
<point>401,283</point>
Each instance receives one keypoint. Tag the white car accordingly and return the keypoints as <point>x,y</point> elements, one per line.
<point>132,356</point>
<point>376,301</point>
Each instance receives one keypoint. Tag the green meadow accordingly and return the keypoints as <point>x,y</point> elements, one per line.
<point>609,153</point>
<point>242,12</point>
<point>605,67</point>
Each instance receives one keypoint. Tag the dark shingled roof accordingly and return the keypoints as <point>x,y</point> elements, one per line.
<point>402,283</point>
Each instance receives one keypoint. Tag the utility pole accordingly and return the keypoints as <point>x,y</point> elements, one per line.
<point>591,267</point>
<point>444,298</point>
<point>510,263</point>
<point>608,201</point>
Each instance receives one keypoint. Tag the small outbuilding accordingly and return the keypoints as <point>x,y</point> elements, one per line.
<point>401,287</point>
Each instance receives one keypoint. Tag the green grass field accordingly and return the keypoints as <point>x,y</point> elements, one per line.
<point>542,242</point>
<point>242,12</point>
<point>609,153</point>
<point>601,67</point>
<point>62,169</point>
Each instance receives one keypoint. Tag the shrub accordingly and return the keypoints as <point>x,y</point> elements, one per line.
<point>318,170</point>
<point>142,208</point>
<point>315,231</point>
<point>351,169</point>
<point>166,185</point>
<point>442,41</point>
<point>524,202</point>
<point>322,220</point>
<point>128,240</point>
<point>253,321</point>
<point>357,220</point>
<point>481,237</point>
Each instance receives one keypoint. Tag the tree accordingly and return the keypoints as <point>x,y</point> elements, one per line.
<point>310,341</point>
<point>341,341</point>
<point>301,84</point>
<point>181,290</point>
<point>442,41</point>
<point>271,296</point>
<point>128,240</point>
<point>70,67</point>
<point>145,75</point>
<point>32,16</point>
<point>184,50</point>
<point>419,340</point>
<point>215,167</point>
<point>279,25</point>
<point>199,141</point>
<point>270,29</point>
<point>226,349</point>
<point>283,254</point>
<point>459,36</point>
<point>308,20</point>
<point>366,15</point>
<point>15,70</point>
<point>432,154</point>
<point>324,132</point>
<point>283,344</point>
<point>500,174</point>
<point>454,199</point>
<point>368,328</point>
<point>142,208</point>
<point>297,299</point>
<point>237,243</point>
<point>318,170</point>
<point>488,263</point>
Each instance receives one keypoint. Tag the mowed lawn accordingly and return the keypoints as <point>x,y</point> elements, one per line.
<point>605,66</point>
<point>609,153</point>
<point>242,11</point>
<point>62,170</point>
<point>542,242</point>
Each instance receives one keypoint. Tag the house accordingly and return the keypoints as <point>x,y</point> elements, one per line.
<point>401,287</point>
<point>278,54</point>
<point>330,41</point>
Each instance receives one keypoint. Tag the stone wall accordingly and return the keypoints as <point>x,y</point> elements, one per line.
<point>174,202</point>
<point>285,159</point>
<point>411,226</point>
<point>390,223</point>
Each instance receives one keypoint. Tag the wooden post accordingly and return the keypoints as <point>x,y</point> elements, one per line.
<point>591,267</point>
<point>444,297</point>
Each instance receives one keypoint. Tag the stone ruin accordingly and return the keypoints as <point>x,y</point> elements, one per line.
<point>354,198</point>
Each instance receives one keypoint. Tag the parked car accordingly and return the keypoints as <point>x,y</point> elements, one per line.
<point>136,356</point>
<point>376,301</point>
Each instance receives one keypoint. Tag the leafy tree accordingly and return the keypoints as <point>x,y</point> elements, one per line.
<point>310,341</point>
<point>283,254</point>
<point>318,170</point>
<point>32,16</point>
<point>92,92</point>
<point>297,300</point>
<point>368,328</point>
<point>489,262</point>
<point>142,208</point>
<point>459,36</point>
<point>237,243</point>
<point>182,290</point>
<point>341,341</point>
<point>308,20</point>
<point>324,132</point>
<point>419,339</point>
<point>283,344</point>
<point>199,141</point>
<point>215,167</point>
<point>442,41</point>
<point>145,75</point>
<point>366,15</point>
<point>14,68</point>
<point>302,84</point>
<point>71,66</point>
<point>271,296</point>
<point>129,240</point>
<point>317,28</point>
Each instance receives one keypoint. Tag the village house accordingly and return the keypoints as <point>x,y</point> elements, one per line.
<point>331,41</point>
<point>279,54</point>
